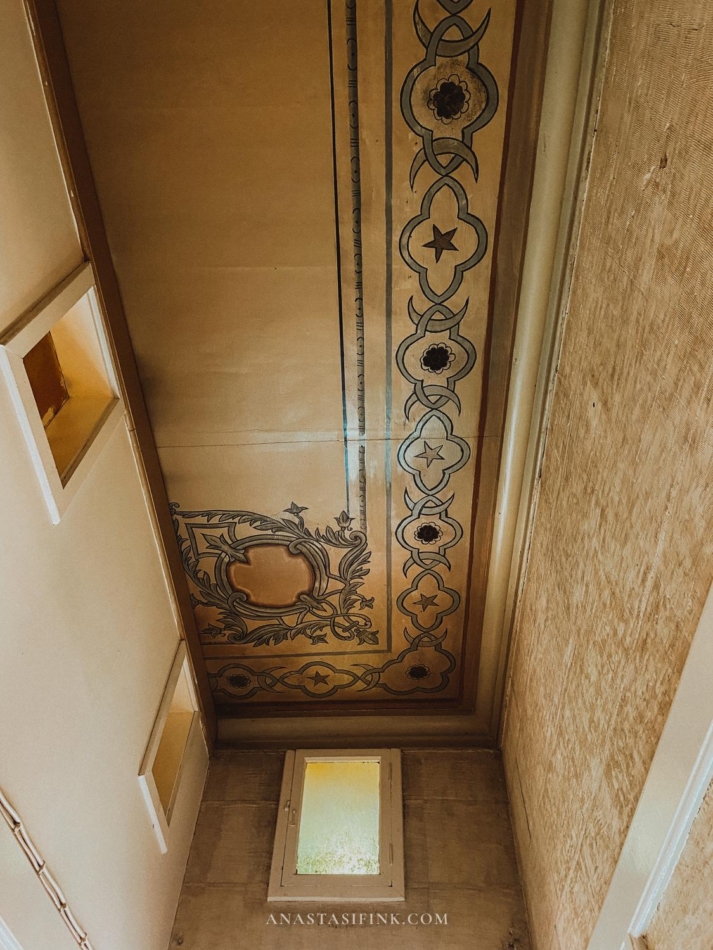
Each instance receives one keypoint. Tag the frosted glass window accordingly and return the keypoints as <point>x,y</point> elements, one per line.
<point>339,824</point>
<point>339,834</point>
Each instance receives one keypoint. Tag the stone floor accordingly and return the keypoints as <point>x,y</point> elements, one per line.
<point>460,862</point>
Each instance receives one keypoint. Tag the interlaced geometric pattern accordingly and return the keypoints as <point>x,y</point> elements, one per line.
<point>461,97</point>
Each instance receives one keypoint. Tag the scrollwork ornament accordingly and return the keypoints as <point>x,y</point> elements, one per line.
<point>334,608</point>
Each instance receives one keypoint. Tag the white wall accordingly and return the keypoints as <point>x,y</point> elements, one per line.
<point>87,631</point>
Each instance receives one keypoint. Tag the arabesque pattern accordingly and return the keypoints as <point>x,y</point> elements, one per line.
<point>446,98</point>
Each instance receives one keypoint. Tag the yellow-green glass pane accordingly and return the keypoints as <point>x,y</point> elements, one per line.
<point>339,824</point>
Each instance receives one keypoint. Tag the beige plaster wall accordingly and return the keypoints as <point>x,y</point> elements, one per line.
<point>87,632</point>
<point>621,557</point>
<point>211,146</point>
<point>459,863</point>
<point>684,918</point>
<point>39,244</point>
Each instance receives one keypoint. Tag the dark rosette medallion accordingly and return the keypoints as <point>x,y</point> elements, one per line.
<point>239,681</point>
<point>450,99</point>
<point>418,672</point>
<point>437,357</point>
<point>428,533</point>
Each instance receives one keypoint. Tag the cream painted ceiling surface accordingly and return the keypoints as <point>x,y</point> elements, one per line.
<point>302,203</point>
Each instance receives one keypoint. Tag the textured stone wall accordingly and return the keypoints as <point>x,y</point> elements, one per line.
<point>684,919</point>
<point>622,552</point>
<point>458,852</point>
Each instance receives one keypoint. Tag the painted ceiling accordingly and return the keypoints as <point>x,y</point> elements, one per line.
<point>302,203</point>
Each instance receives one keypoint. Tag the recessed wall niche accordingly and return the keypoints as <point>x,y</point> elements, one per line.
<point>58,366</point>
<point>162,767</point>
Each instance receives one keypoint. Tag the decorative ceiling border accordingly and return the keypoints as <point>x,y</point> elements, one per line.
<point>459,91</point>
<point>355,251</point>
<point>355,171</point>
<point>425,664</point>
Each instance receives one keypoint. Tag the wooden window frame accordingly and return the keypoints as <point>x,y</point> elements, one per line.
<point>58,490</point>
<point>679,777</point>
<point>388,885</point>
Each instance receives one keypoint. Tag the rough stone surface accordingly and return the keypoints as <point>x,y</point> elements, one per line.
<point>621,558</point>
<point>684,918</point>
<point>460,861</point>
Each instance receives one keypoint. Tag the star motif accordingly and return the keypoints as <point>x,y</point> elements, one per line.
<point>318,678</point>
<point>425,602</point>
<point>442,241</point>
<point>430,453</point>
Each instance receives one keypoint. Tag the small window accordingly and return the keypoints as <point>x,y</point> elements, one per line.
<point>56,360</point>
<point>161,770</point>
<point>339,831</point>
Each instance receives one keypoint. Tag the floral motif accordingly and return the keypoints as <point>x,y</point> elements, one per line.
<point>428,533</point>
<point>450,99</point>
<point>437,357</point>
